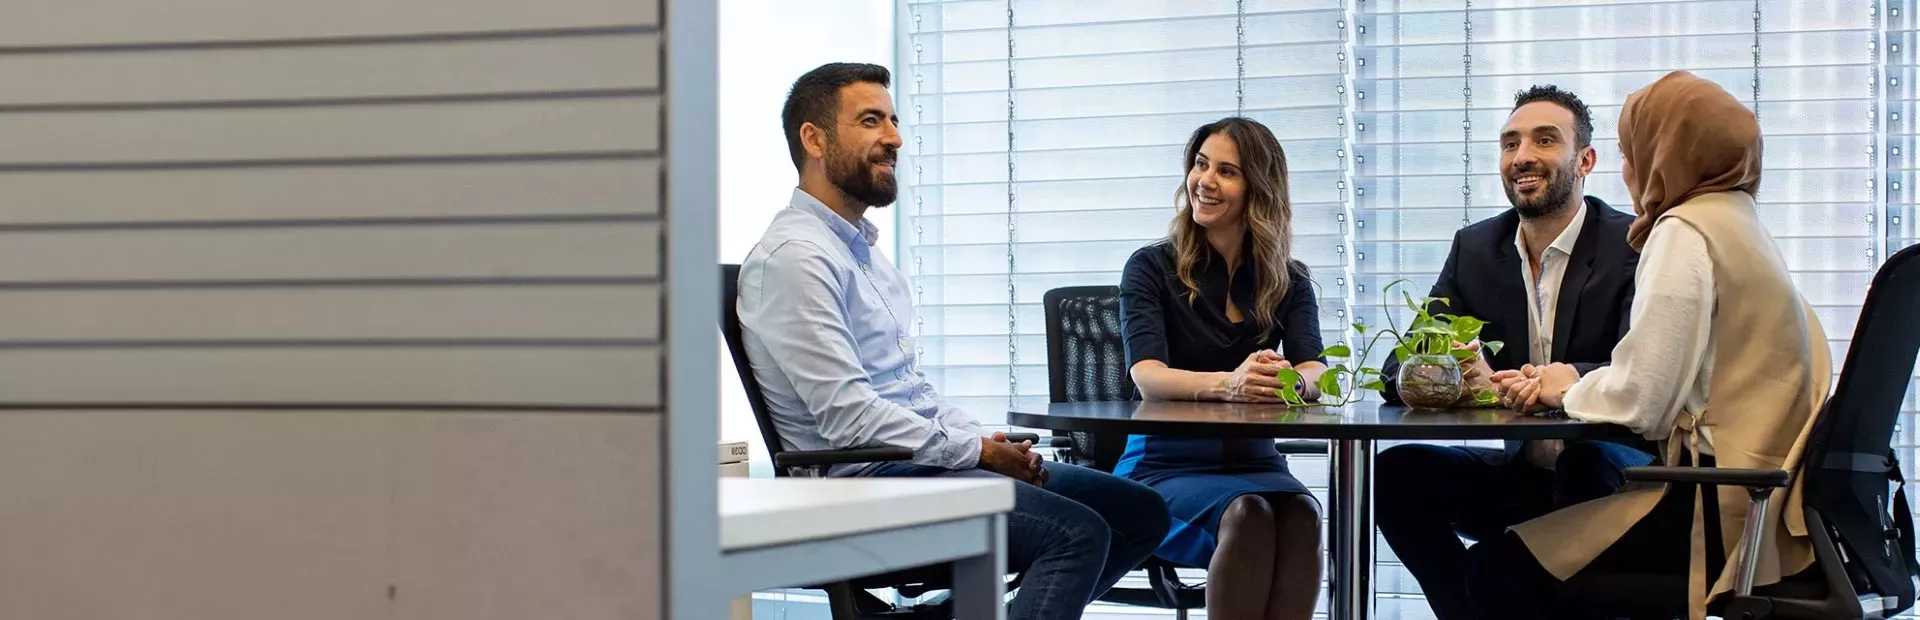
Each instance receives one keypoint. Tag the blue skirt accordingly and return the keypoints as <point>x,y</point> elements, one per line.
<point>1198,491</point>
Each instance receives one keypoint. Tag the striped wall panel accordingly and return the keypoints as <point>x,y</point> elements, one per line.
<point>341,205</point>
<point>346,309</point>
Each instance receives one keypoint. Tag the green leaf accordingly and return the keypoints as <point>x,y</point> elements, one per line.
<point>1440,300</point>
<point>1466,328</point>
<point>1400,353</point>
<point>1329,384</point>
<point>1288,379</point>
<point>1369,372</point>
<point>1338,350</point>
<point>1374,385</point>
<point>1485,396</point>
<point>1419,322</point>
<point>1463,354</point>
<point>1418,309</point>
<point>1431,330</point>
<point>1492,347</point>
<point>1360,327</point>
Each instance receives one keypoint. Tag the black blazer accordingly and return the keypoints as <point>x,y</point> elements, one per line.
<point>1482,278</point>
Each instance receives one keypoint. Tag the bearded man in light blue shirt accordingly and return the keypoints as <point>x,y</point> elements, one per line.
<point>825,321</point>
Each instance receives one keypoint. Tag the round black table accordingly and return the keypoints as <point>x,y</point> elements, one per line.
<point>1353,430</point>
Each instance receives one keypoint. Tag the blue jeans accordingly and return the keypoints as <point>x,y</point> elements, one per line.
<point>1427,497</point>
<point>1070,539</point>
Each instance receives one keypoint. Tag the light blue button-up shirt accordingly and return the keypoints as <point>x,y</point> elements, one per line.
<point>825,320</point>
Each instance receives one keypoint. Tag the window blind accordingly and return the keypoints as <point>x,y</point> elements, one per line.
<point>1435,80</point>
<point>1044,146</point>
<point>1900,63</point>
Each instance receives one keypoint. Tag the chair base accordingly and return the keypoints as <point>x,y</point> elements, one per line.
<point>847,602</point>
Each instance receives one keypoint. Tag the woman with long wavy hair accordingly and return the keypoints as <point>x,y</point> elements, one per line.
<point>1215,312</point>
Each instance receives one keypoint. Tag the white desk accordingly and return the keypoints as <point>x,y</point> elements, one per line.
<point>787,532</point>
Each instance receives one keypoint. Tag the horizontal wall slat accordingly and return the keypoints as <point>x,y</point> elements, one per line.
<point>291,376</point>
<point>425,313</point>
<point>344,131</point>
<point>343,252</point>
<point>83,22</point>
<point>617,186</point>
<point>507,65</point>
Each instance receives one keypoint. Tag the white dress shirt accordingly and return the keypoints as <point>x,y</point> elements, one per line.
<point>1664,364</point>
<point>1543,298</point>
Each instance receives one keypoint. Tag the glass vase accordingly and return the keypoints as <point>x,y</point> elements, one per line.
<point>1431,381</point>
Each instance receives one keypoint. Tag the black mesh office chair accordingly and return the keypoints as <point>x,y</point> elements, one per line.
<point>1087,361</point>
<point>846,600</point>
<point>1862,535</point>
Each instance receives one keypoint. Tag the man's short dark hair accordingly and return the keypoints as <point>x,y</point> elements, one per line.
<point>1582,118</point>
<point>815,98</point>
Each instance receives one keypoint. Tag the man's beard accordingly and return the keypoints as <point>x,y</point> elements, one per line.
<point>854,175</point>
<point>1558,195</point>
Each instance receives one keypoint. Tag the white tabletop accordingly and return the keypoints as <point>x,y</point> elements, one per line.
<point>760,512</point>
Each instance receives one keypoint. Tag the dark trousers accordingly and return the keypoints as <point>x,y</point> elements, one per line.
<point>1428,497</point>
<point>1644,572</point>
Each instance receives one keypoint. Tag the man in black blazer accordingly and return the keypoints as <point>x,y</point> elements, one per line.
<point>1553,278</point>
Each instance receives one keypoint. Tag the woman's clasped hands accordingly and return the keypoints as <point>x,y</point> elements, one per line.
<point>1257,380</point>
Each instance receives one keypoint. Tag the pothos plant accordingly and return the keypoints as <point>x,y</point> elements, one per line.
<point>1428,334</point>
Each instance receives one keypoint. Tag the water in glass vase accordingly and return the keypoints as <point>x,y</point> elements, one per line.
<point>1431,381</point>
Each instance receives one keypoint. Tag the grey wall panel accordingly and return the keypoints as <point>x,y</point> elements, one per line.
<point>117,22</point>
<point>534,64</point>
<point>412,254</point>
<point>468,314</point>
<point>603,376</point>
<point>615,249</point>
<point>488,189</point>
<point>193,515</point>
<point>332,132</point>
<point>562,497</point>
<point>198,515</point>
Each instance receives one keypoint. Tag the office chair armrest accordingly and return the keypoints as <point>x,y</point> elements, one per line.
<point>1760,484</point>
<point>1300,447</point>
<point>1061,445</point>
<point>821,458</point>
<point>1041,442</point>
<point>1750,478</point>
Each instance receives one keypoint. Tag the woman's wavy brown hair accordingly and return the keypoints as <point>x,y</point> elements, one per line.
<point>1268,216</point>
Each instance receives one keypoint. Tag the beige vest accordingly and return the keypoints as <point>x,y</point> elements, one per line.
<point>1770,377</point>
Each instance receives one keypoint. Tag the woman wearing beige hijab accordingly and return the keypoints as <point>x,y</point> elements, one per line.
<point>1725,364</point>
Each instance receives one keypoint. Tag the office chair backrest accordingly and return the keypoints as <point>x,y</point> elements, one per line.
<point>730,327</point>
<point>1850,458</point>
<point>1087,361</point>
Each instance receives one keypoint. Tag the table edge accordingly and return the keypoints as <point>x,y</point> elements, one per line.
<point>1337,432</point>
<point>979,498</point>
